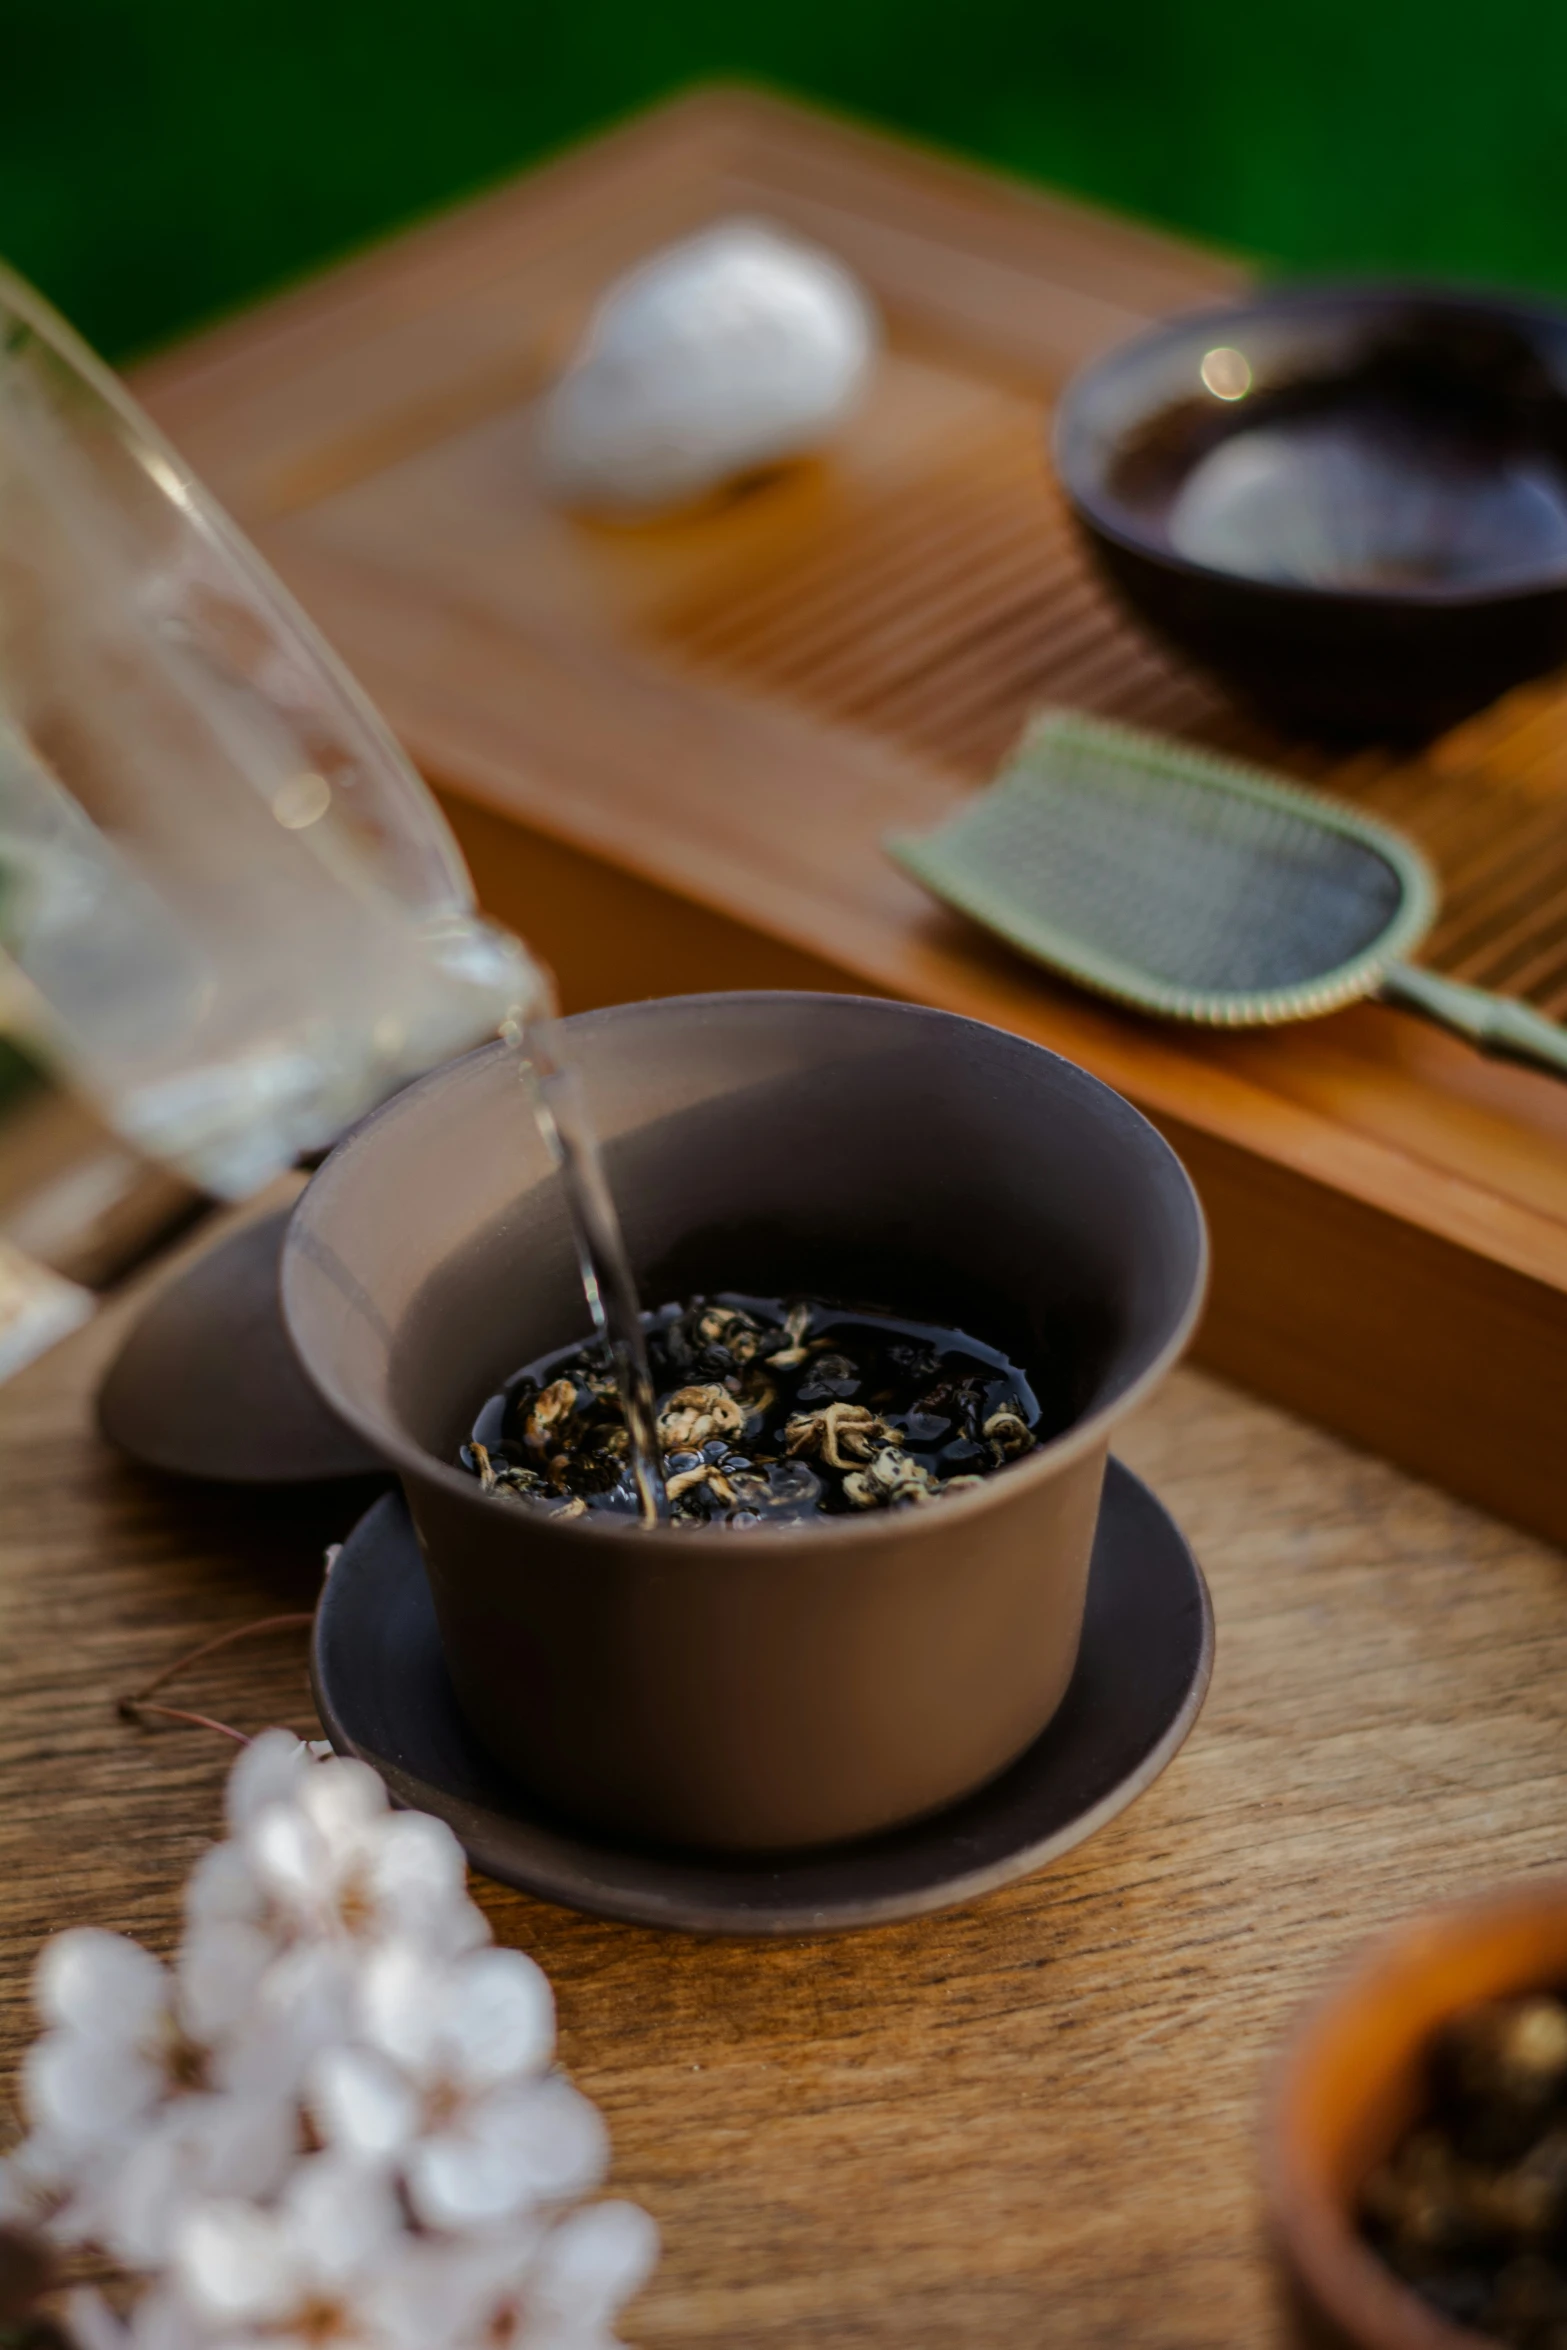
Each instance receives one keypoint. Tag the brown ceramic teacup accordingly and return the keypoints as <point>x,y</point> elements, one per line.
<point>785,1686</point>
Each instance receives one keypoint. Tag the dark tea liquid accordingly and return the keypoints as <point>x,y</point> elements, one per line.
<point>763,1411</point>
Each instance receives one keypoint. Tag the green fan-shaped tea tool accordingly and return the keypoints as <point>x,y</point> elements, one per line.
<point>1195,888</point>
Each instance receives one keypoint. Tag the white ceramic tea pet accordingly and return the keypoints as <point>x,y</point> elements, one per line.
<point>729,351</point>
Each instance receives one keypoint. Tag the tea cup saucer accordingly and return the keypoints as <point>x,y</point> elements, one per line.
<point>383,1693</point>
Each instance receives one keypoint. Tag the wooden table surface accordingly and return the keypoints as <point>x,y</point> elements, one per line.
<point>1028,2121</point>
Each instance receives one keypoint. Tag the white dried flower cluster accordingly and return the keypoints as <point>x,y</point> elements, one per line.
<point>335,2119</point>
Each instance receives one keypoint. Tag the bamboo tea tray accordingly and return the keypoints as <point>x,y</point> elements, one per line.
<point>672,752</point>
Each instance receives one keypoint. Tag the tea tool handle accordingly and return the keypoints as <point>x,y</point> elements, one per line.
<point>1498,1024</point>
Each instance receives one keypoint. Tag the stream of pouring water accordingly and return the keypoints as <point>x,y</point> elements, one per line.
<point>562,1114</point>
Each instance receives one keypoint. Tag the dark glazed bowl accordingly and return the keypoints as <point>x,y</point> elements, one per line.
<point>1351,503</point>
<point>785,1687</point>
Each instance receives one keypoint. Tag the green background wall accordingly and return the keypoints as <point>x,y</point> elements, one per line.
<point>164,159</point>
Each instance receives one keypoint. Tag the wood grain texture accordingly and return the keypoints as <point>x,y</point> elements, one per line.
<point>722,715</point>
<point>1029,2120</point>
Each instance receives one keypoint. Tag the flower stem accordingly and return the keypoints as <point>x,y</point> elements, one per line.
<point>136,1704</point>
<point>193,1656</point>
<point>133,1708</point>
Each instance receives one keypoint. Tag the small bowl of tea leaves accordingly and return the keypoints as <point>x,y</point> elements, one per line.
<point>1417,2147</point>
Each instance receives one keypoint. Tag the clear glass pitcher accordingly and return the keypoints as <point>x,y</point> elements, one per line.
<point>229,909</point>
